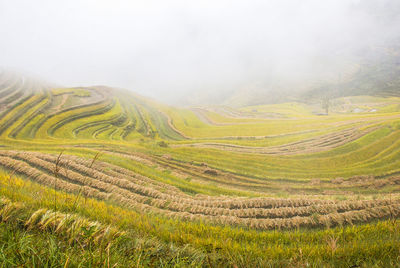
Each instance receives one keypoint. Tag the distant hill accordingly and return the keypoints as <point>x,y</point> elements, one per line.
<point>378,75</point>
<point>30,108</point>
<point>371,71</point>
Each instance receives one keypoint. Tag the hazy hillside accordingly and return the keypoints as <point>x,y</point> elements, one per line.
<point>232,134</point>
<point>33,109</point>
<point>374,71</point>
<point>378,75</point>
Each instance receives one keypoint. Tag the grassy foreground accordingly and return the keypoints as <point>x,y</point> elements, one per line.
<point>59,229</point>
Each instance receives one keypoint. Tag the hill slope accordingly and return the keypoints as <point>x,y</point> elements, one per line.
<point>373,71</point>
<point>116,178</point>
<point>31,109</point>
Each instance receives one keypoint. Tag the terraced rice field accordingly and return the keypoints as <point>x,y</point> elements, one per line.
<point>253,171</point>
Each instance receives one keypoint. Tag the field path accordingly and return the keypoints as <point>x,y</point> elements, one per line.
<point>313,145</point>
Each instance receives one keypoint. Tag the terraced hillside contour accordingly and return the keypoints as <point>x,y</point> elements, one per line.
<point>30,109</point>
<point>264,168</point>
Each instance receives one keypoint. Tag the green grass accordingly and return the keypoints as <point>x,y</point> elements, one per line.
<point>291,109</point>
<point>58,120</point>
<point>125,129</point>
<point>24,119</point>
<point>154,240</point>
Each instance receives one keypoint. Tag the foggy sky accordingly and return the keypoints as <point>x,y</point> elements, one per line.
<point>171,49</point>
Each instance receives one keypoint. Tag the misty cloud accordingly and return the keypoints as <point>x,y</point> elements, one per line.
<point>172,49</point>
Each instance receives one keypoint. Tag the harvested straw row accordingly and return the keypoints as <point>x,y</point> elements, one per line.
<point>75,177</point>
<point>72,226</point>
<point>102,169</point>
<point>126,188</point>
<point>180,205</point>
<point>317,144</point>
<point>284,212</point>
<point>99,181</point>
<point>331,219</point>
<point>9,210</point>
<point>206,201</point>
<point>40,177</point>
<point>23,167</point>
<point>188,170</point>
<point>109,183</point>
<point>122,196</point>
<point>103,183</point>
<point>279,223</point>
